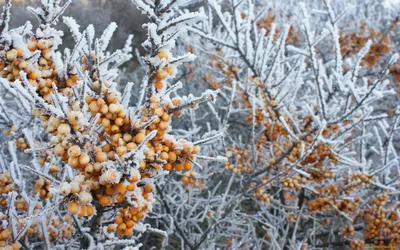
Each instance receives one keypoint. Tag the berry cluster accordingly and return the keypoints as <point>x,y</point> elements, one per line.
<point>238,160</point>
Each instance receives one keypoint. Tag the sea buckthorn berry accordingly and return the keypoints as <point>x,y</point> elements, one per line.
<point>84,159</point>
<point>163,54</point>
<point>75,187</point>
<point>85,197</point>
<point>12,54</point>
<point>73,162</point>
<point>161,74</point>
<point>64,129</point>
<point>120,188</point>
<point>105,200</point>
<point>114,108</point>
<point>82,211</point>
<point>73,117</point>
<point>170,70</point>
<point>73,207</point>
<point>89,210</point>
<point>74,151</point>
<point>65,189</point>
<point>101,157</point>
<point>59,150</point>
<point>159,85</point>
<point>187,165</point>
<point>130,187</point>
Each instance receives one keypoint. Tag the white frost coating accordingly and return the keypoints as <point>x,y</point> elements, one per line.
<point>126,96</point>
<point>110,176</point>
<point>181,21</point>
<point>74,27</point>
<point>107,35</point>
<point>208,158</point>
<point>145,8</point>
<point>361,54</point>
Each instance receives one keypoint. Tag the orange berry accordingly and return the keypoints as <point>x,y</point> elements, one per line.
<point>73,207</point>
<point>122,226</point>
<point>139,138</point>
<point>187,165</point>
<point>163,125</point>
<point>82,211</point>
<point>129,223</point>
<point>104,200</point>
<point>128,231</point>
<point>121,150</point>
<point>89,210</point>
<point>118,220</point>
<point>59,150</point>
<point>168,166</point>
<point>159,85</point>
<point>74,151</point>
<point>164,156</point>
<point>111,228</point>
<point>130,187</point>
<point>12,54</point>
<point>73,162</point>
<point>161,74</point>
<point>110,190</point>
<point>84,159</point>
<point>148,188</point>
<point>34,75</point>
<point>63,129</point>
<point>114,108</point>
<point>120,188</point>
<point>163,54</point>
<point>171,156</point>
<point>131,146</point>
<point>32,45</point>
<point>94,107</point>
<point>16,246</point>
<point>170,70</point>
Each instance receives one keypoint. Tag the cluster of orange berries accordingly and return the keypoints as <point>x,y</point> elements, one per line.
<point>213,83</point>
<point>5,236</point>
<point>40,73</point>
<point>58,229</point>
<point>21,205</point>
<point>258,117</point>
<point>294,182</point>
<point>318,204</point>
<point>382,225</point>
<point>167,71</point>
<point>190,178</point>
<point>351,43</point>
<point>357,244</point>
<point>266,23</point>
<point>230,72</point>
<point>348,230</point>
<point>42,187</point>
<point>327,199</point>
<point>356,179</point>
<point>125,220</point>
<point>321,153</point>
<point>102,178</point>
<point>238,160</point>
<point>80,210</point>
<point>21,143</point>
<point>333,128</point>
<point>348,206</point>
<point>262,195</point>
<point>6,185</point>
